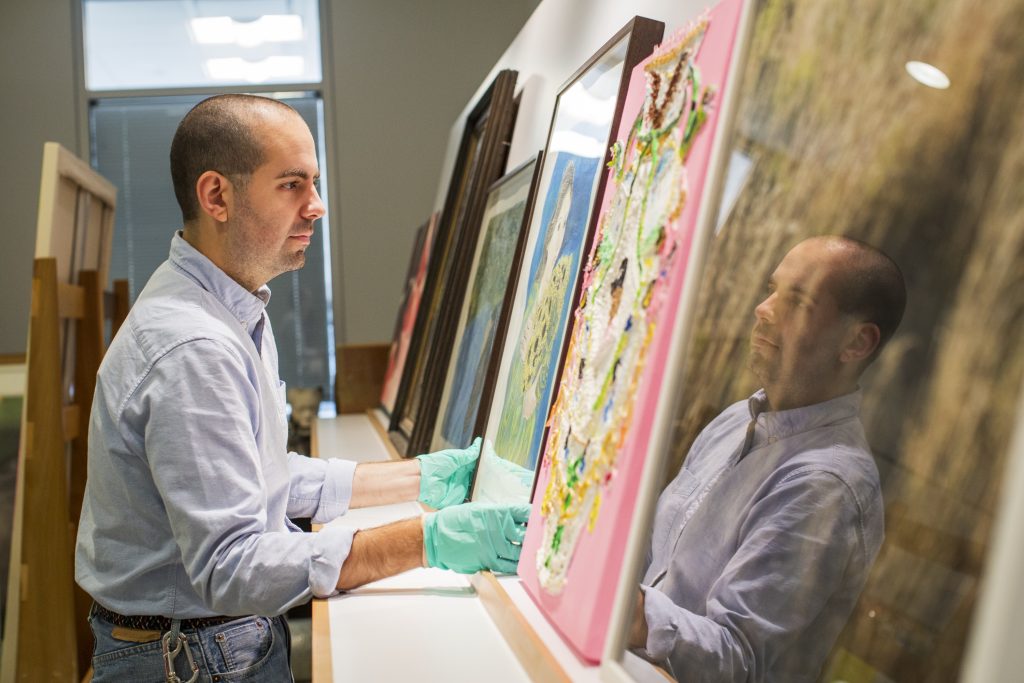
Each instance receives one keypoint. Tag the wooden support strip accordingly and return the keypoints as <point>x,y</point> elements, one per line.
<point>70,301</point>
<point>122,302</point>
<point>383,434</point>
<point>322,670</point>
<point>89,348</point>
<point>43,632</point>
<point>528,647</point>
<point>69,420</point>
<point>70,166</point>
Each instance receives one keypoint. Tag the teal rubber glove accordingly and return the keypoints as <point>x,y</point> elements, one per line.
<point>445,475</point>
<point>468,538</point>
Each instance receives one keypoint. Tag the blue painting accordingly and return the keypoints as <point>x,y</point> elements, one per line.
<point>553,270</point>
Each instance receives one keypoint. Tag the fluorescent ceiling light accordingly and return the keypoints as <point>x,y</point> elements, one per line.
<point>926,74</point>
<point>270,28</point>
<point>238,69</point>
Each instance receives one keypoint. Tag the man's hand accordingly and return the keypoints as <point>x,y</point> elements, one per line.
<point>468,538</point>
<point>445,475</point>
<point>638,627</point>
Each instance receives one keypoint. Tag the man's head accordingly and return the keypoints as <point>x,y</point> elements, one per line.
<point>244,171</point>
<point>832,304</point>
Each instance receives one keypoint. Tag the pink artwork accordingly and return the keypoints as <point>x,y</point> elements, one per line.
<point>407,315</point>
<point>600,425</point>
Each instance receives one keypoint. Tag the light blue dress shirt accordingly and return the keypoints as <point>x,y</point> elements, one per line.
<point>762,543</point>
<point>190,484</point>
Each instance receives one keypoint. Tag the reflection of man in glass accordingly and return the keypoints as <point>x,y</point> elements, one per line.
<point>763,541</point>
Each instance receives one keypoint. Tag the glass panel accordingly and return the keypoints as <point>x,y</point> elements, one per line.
<point>153,44</point>
<point>841,134</point>
<point>131,139</point>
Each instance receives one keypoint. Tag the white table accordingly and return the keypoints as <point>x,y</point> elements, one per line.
<point>423,625</point>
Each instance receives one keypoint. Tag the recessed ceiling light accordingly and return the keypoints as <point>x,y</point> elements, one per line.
<point>929,75</point>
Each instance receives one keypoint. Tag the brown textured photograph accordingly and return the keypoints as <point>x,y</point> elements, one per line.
<point>842,140</point>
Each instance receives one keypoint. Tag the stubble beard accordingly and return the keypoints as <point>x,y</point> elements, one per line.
<point>259,259</point>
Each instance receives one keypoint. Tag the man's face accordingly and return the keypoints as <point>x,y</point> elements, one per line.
<point>799,330</point>
<point>272,222</point>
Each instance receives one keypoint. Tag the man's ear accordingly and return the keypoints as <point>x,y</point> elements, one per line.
<point>861,342</point>
<point>215,194</point>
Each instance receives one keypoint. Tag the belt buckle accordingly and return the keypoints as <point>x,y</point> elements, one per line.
<point>170,655</point>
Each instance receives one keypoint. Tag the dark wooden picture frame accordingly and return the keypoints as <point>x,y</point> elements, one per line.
<point>397,356</point>
<point>480,161</point>
<point>641,35</point>
<point>488,370</point>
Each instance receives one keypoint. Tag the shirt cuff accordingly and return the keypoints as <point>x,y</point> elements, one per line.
<point>337,490</point>
<point>331,546</point>
<point>659,612</point>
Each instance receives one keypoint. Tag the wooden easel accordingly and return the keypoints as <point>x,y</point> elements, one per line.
<point>46,633</point>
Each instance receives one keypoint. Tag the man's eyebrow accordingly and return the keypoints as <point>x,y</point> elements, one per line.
<point>297,173</point>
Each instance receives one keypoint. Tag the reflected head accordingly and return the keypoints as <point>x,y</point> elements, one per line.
<point>868,285</point>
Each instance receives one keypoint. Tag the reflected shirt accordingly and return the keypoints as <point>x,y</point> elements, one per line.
<point>762,543</point>
<point>190,485</point>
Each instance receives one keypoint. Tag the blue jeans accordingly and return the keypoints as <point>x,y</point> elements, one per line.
<point>246,649</point>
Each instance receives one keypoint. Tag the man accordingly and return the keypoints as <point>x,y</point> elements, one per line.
<point>185,543</point>
<point>764,540</point>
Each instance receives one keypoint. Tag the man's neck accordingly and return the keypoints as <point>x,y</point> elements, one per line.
<point>213,249</point>
<point>779,398</point>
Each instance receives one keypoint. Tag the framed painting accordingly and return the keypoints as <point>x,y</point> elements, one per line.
<point>480,161</point>
<point>584,122</point>
<point>662,184</point>
<point>862,149</point>
<point>480,333</point>
<point>415,279</point>
<point>74,233</point>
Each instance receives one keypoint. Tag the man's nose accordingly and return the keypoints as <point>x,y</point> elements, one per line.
<point>764,310</point>
<point>314,208</point>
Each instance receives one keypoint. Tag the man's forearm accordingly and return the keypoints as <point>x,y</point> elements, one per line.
<point>383,483</point>
<point>382,552</point>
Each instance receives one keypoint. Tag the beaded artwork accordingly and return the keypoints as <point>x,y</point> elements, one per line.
<point>637,241</point>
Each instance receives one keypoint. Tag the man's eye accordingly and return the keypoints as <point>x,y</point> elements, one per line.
<point>291,185</point>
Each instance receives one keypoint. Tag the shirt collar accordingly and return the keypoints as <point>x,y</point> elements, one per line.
<point>779,424</point>
<point>247,307</point>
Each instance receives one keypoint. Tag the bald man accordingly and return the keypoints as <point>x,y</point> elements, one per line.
<point>185,542</point>
<point>763,541</point>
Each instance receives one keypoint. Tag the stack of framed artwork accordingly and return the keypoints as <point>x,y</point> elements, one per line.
<point>480,162</point>
<point>415,280</point>
<point>561,229</point>
<point>662,283</point>
<point>480,333</point>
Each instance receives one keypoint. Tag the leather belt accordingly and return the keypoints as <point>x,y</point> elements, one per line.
<point>156,623</point>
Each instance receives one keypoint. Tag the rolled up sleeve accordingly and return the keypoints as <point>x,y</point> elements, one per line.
<point>320,489</point>
<point>205,462</point>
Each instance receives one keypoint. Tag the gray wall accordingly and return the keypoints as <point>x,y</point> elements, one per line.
<point>38,82</point>
<point>400,72</point>
<point>404,69</point>
<point>552,44</point>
